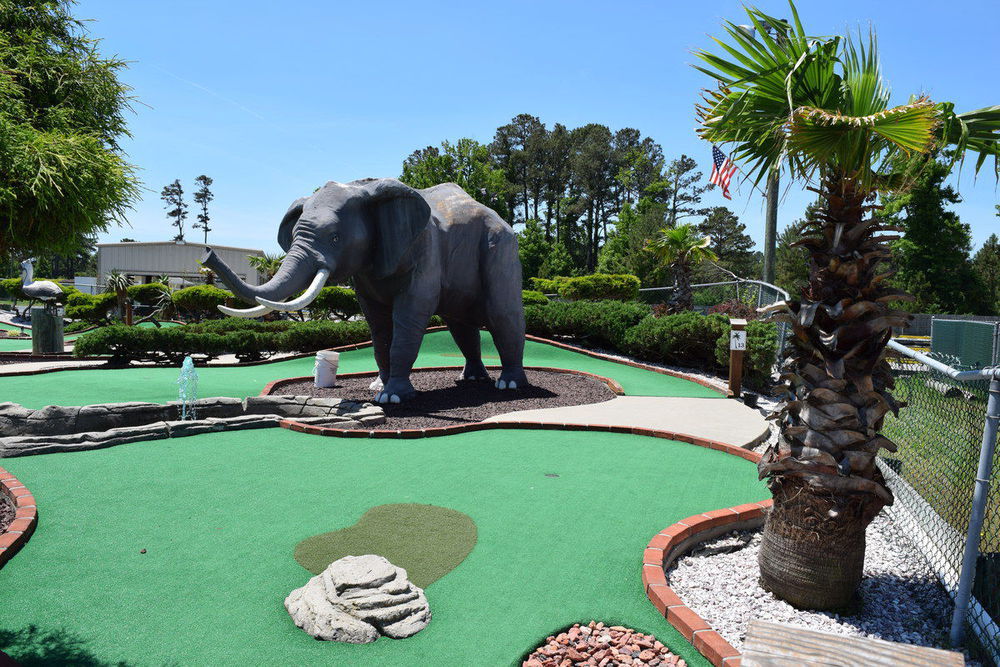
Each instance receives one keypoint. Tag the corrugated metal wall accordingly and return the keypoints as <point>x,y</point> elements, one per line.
<point>177,260</point>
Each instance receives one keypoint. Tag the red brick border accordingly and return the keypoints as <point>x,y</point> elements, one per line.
<point>676,540</point>
<point>25,516</point>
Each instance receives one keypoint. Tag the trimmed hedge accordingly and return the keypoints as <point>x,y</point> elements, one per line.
<point>90,308</point>
<point>147,294</point>
<point>620,287</point>
<point>339,301</point>
<point>201,300</point>
<point>533,298</point>
<point>249,340</point>
<point>549,285</point>
<point>600,323</point>
<point>685,339</point>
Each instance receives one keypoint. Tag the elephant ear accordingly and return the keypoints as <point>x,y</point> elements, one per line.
<point>399,215</point>
<point>288,223</point>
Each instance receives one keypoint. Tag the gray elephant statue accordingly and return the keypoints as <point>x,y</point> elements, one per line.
<point>412,254</point>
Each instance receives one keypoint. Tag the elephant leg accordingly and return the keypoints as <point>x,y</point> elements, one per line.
<point>504,311</point>
<point>467,338</point>
<point>379,319</point>
<point>409,322</point>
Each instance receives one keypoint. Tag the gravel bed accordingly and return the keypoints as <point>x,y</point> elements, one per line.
<point>442,400</point>
<point>6,513</point>
<point>900,599</point>
<point>598,644</point>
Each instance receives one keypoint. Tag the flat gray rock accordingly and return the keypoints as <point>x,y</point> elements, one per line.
<point>357,599</point>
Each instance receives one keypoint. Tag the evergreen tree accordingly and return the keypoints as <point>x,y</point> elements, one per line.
<point>791,263</point>
<point>730,242</point>
<point>558,263</point>
<point>533,249</point>
<point>466,163</point>
<point>63,175</point>
<point>681,190</point>
<point>932,259</point>
<point>202,196</point>
<point>987,267</point>
<point>173,200</point>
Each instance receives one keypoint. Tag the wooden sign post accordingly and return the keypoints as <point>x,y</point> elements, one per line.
<point>737,347</point>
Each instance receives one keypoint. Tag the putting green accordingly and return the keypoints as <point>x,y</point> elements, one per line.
<point>219,516</point>
<point>438,349</point>
<point>425,540</point>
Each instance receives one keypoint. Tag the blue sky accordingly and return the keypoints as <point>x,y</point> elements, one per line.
<point>272,99</point>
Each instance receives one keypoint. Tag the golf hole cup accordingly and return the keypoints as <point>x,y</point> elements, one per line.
<point>325,371</point>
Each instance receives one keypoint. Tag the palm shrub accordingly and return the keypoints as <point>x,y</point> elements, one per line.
<point>817,108</point>
<point>117,283</point>
<point>682,249</point>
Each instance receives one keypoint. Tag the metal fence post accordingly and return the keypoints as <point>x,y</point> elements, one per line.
<point>978,513</point>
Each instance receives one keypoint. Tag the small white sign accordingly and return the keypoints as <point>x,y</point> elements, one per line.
<point>737,340</point>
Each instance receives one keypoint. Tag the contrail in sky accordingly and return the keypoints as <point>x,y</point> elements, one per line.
<point>212,93</point>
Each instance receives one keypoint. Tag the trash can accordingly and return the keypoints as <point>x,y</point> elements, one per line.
<point>325,371</point>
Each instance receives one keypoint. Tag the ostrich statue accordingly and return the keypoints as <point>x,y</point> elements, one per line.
<point>41,290</point>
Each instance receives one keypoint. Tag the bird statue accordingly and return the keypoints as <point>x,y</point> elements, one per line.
<point>42,290</point>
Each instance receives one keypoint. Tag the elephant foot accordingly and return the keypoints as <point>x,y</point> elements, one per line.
<point>512,379</point>
<point>474,371</point>
<point>396,391</point>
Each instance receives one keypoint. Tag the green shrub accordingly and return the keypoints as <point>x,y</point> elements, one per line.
<point>601,323</point>
<point>10,288</point>
<point>684,339</point>
<point>533,298</point>
<point>90,308</point>
<point>247,339</point>
<point>147,294</point>
<point>201,301</point>
<point>339,301</point>
<point>621,287</point>
<point>549,285</point>
<point>762,341</point>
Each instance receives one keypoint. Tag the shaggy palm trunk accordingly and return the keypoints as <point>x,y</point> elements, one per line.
<point>822,470</point>
<point>684,297</point>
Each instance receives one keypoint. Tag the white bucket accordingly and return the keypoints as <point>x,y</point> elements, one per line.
<point>325,371</point>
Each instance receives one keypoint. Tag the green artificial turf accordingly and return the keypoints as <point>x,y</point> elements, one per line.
<point>425,540</point>
<point>438,349</point>
<point>219,516</point>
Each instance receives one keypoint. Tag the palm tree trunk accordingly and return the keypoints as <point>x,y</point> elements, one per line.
<point>822,470</point>
<point>685,298</point>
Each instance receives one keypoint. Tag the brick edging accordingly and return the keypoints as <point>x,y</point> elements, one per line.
<point>25,516</point>
<point>676,540</point>
<point>627,362</point>
<point>275,385</point>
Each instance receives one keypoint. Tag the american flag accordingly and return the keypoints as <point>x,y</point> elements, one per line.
<point>722,170</point>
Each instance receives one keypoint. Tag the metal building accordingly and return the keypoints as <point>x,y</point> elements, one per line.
<point>145,262</point>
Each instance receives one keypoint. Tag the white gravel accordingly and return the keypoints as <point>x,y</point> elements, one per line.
<point>901,600</point>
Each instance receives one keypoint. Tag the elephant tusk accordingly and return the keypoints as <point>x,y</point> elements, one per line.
<point>256,311</point>
<point>298,304</point>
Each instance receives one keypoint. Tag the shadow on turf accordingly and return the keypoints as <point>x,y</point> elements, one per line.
<point>33,647</point>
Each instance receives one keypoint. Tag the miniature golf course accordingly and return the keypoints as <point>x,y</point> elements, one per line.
<point>438,349</point>
<point>537,529</point>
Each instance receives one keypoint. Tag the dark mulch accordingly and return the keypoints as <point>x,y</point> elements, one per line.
<point>444,401</point>
<point>6,513</point>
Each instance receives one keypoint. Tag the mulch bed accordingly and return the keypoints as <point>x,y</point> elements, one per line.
<point>602,646</point>
<point>6,513</point>
<point>444,401</point>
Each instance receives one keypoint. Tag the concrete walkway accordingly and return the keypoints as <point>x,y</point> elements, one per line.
<point>718,419</point>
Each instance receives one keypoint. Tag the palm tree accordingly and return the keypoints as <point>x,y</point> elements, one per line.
<point>818,109</point>
<point>119,283</point>
<point>682,249</point>
<point>267,265</point>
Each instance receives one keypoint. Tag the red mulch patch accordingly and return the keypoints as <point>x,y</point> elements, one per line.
<point>601,646</point>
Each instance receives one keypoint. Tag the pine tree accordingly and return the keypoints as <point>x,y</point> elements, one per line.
<point>173,200</point>
<point>202,196</point>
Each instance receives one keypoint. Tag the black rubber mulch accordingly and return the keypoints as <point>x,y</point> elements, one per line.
<point>6,513</point>
<point>444,401</point>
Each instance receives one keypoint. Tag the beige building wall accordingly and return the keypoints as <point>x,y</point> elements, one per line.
<point>147,261</point>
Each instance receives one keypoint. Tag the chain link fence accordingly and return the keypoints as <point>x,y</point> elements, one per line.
<point>933,477</point>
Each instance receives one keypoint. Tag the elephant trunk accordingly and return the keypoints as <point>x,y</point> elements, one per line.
<point>297,270</point>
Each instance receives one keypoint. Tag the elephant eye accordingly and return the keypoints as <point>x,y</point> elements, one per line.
<point>335,239</point>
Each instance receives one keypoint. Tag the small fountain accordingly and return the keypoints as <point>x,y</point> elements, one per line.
<point>187,385</point>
